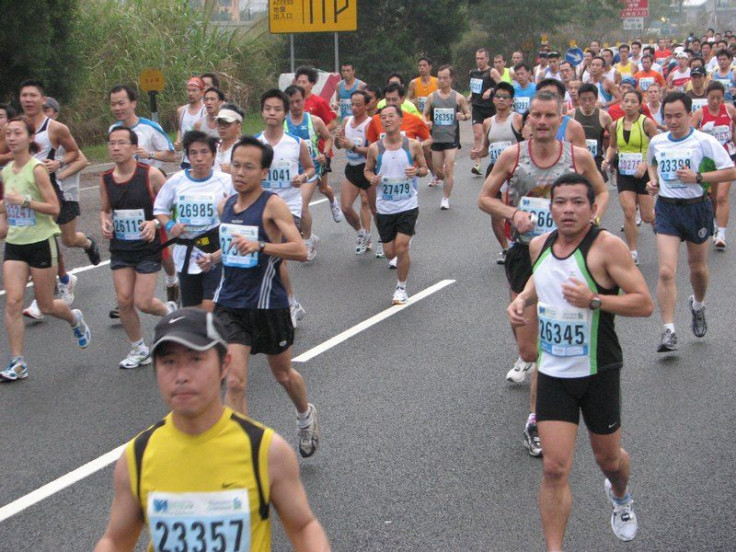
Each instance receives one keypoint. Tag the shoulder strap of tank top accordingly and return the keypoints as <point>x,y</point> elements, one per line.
<point>139,448</point>
<point>255,435</point>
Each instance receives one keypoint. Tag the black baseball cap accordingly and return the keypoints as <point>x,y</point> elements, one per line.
<point>697,71</point>
<point>193,328</point>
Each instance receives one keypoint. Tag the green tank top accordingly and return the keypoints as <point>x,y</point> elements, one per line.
<point>24,224</point>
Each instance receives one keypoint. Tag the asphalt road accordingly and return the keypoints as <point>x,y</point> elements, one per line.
<point>421,442</point>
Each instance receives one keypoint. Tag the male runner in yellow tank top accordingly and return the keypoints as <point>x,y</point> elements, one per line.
<point>204,477</point>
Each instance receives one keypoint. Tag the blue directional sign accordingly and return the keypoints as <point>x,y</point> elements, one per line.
<point>574,56</point>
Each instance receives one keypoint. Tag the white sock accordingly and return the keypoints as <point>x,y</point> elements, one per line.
<point>171,280</point>
<point>362,232</point>
<point>722,233</point>
<point>670,327</point>
<point>138,344</point>
<point>169,308</point>
<point>697,305</point>
<point>401,284</point>
<point>303,418</point>
<point>292,301</point>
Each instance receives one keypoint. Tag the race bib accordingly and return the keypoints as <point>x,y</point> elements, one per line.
<point>495,149</point>
<point>541,215</point>
<point>395,189</point>
<point>698,103</point>
<point>722,133</point>
<point>354,155</point>
<point>563,331</point>
<point>592,147</point>
<point>199,521</point>
<point>726,84</point>
<point>645,82</point>
<point>281,174</point>
<point>444,116</point>
<point>521,105</point>
<point>668,163</point>
<point>628,163</point>
<point>127,223</point>
<point>476,85</point>
<point>421,102</point>
<point>345,107</point>
<point>232,257</point>
<point>19,215</point>
<point>196,210</point>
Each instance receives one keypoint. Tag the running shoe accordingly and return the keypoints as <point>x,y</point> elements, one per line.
<point>393,263</point>
<point>623,518</point>
<point>33,311</point>
<point>517,374</point>
<point>361,244</point>
<point>445,204</point>
<point>379,250</point>
<point>476,169</point>
<point>138,356</point>
<point>115,311</point>
<point>15,370</point>
<point>400,296</point>
<point>173,293</point>
<point>668,342</point>
<point>67,290</point>
<point>434,182</point>
<point>309,435</point>
<point>531,440</point>
<point>312,247</point>
<point>297,313</point>
<point>699,326</point>
<point>638,217</point>
<point>719,243</point>
<point>635,257</point>
<point>93,252</point>
<point>336,211</point>
<point>81,330</point>
<point>171,306</point>
<point>501,257</point>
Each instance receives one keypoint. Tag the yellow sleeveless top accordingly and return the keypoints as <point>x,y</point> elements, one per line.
<point>209,491</point>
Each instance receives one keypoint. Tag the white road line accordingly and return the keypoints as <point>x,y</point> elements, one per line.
<point>347,334</point>
<point>74,271</point>
<point>60,484</point>
<point>105,460</point>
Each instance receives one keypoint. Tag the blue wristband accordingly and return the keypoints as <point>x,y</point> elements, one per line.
<point>170,225</point>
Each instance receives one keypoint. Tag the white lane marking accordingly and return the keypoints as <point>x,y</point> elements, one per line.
<point>74,271</point>
<point>347,334</point>
<point>105,460</point>
<point>105,263</point>
<point>60,484</point>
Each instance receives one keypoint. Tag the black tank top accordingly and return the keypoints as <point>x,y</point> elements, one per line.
<point>128,200</point>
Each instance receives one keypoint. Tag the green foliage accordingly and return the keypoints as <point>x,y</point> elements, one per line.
<point>118,40</point>
<point>390,37</point>
<point>34,39</point>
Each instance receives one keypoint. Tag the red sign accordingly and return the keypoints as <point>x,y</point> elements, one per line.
<point>635,8</point>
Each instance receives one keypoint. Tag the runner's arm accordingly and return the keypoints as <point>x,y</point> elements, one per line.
<point>527,298</point>
<point>323,133</point>
<point>106,223</point>
<point>612,147</point>
<point>306,161</point>
<point>125,523</point>
<point>370,165</point>
<point>66,140</point>
<point>420,163</point>
<point>410,91</point>
<point>488,202</point>
<point>576,134</point>
<point>50,201</point>
<point>291,247</point>
<point>290,500</point>
<point>696,117</point>
<point>614,91</point>
<point>464,107</point>
<point>74,167</point>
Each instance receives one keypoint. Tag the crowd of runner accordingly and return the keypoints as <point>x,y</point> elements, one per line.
<point>654,120</point>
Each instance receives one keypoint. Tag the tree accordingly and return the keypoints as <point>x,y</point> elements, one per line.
<point>34,39</point>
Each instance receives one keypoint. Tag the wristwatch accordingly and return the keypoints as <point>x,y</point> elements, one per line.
<point>698,178</point>
<point>261,246</point>
<point>156,224</point>
<point>150,155</point>
<point>595,303</point>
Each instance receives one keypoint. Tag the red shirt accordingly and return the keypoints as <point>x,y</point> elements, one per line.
<point>616,112</point>
<point>317,105</point>
<point>661,54</point>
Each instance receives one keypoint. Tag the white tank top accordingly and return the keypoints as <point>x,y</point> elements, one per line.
<point>44,142</point>
<point>222,157</point>
<point>396,192</point>
<point>357,136</point>
<point>69,186</point>
<point>284,168</point>
<point>188,120</point>
<point>500,136</point>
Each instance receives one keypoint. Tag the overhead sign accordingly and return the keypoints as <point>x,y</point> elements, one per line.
<point>312,16</point>
<point>635,8</point>
<point>634,24</point>
<point>574,56</point>
<point>151,80</point>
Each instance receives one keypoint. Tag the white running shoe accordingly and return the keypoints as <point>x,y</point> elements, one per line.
<point>171,306</point>
<point>312,247</point>
<point>336,211</point>
<point>623,518</point>
<point>393,263</point>
<point>400,296</point>
<point>309,436</point>
<point>517,374</point>
<point>638,217</point>
<point>67,290</point>
<point>297,313</point>
<point>445,204</point>
<point>361,243</point>
<point>138,356</point>
<point>635,257</point>
<point>81,330</point>
<point>434,182</point>
<point>33,311</point>
<point>379,250</point>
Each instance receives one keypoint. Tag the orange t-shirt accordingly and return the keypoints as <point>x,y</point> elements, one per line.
<point>411,125</point>
<point>645,78</point>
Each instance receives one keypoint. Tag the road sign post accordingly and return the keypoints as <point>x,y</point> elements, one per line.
<point>152,81</point>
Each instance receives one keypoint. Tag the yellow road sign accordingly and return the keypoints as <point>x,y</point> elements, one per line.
<point>312,16</point>
<point>151,80</point>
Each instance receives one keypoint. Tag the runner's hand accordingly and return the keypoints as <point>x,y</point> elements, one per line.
<point>176,230</point>
<point>107,229</point>
<point>515,312</point>
<point>148,230</point>
<point>243,245</point>
<point>522,221</point>
<point>640,170</point>
<point>652,187</point>
<point>411,171</point>
<point>577,293</point>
